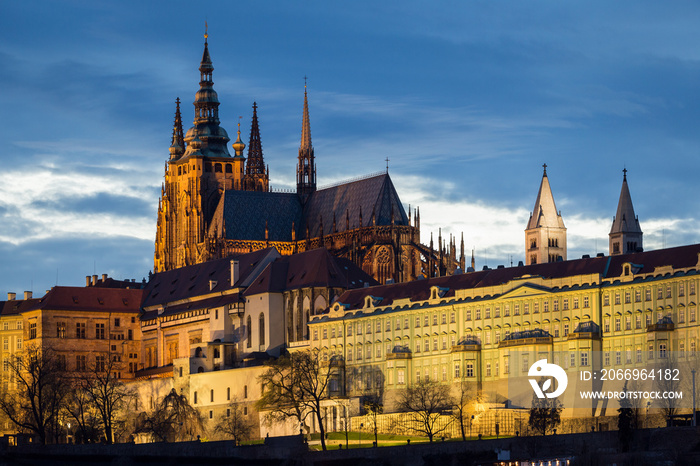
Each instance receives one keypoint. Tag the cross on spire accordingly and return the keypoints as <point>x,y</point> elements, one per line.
<point>545,168</point>
<point>387,164</point>
<point>624,174</point>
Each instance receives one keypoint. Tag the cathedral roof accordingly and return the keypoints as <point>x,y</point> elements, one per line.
<point>316,267</point>
<point>375,194</point>
<point>246,214</point>
<point>545,213</point>
<point>625,220</point>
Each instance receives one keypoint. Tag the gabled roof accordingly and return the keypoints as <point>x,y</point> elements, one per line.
<point>314,268</point>
<point>193,280</point>
<point>545,213</point>
<point>374,194</point>
<point>625,220</point>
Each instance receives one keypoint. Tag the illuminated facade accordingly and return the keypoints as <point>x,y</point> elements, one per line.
<point>620,312</point>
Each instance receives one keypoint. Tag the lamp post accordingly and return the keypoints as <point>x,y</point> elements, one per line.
<point>359,436</point>
<point>470,426</point>
<point>694,419</point>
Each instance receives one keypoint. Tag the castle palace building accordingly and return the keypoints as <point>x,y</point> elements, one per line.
<point>214,205</point>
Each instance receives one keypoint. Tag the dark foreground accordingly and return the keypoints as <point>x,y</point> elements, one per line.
<point>670,446</point>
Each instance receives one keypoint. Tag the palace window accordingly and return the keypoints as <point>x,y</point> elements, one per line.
<point>639,354</point>
<point>606,300</point>
<point>469,314</point>
<point>32,330</point>
<point>617,324</point>
<point>575,303</point>
<point>659,293</point>
<point>662,350</point>
<point>470,369</point>
<point>584,358</point>
<point>637,296</point>
<point>434,319</point>
<point>417,321</point>
<point>506,311</point>
<point>60,330</point>
<point>638,321</point>
<point>617,298</point>
<point>628,298</point>
<point>536,307</point>
<point>606,325</point>
<point>452,318</point>
<point>426,346</point>
<point>606,358</point>
<point>628,322</point>
<point>691,287</point>
<point>681,316</point>
<point>488,369</point>
<point>650,352</point>
<point>444,318</point>
<point>618,357</point>
<point>456,370</point>
<point>566,304</point>
<point>487,313</point>
<point>647,294</point>
<point>425,320</point>
<point>545,306</point>
<point>628,356</point>
<point>566,329</point>
<point>478,313</point>
<point>388,325</point>
<point>100,331</point>
<point>526,308</point>
<point>349,330</point>
<point>81,363</point>
<point>668,291</point>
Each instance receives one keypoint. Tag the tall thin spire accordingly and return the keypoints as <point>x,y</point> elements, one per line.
<point>306,168</point>
<point>177,148</point>
<point>255,164</point>
<point>625,233</point>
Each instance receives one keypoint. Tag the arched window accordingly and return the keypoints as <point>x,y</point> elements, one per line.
<point>249,332</point>
<point>261,321</point>
<point>217,168</point>
<point>229,169</point>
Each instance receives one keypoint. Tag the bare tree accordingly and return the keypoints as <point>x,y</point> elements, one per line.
<point>79,407</point>
<point>426,400</point>
<point>174,419</point>
<point>108,395</point>
<point>373,407</point>
<point>545,414</point>
<point>294,386</point>
<point>234,423</point>
<point>36,392</point>
<point>667,380</point>
<point>465,406</point>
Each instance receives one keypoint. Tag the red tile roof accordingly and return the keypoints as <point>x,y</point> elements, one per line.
<point>193,280</point>
<point>316,267</point>
<point>606,267</point>
<point>73,298</point>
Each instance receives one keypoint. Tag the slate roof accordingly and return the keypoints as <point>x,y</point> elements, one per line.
<point>376,193</point>
<point>607,267</point>
<point>316,267</point>
<point>244,213</point>
<point>193,280</point>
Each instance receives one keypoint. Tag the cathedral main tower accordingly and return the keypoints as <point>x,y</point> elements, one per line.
<point>200,169</point>
<point>545,235</point>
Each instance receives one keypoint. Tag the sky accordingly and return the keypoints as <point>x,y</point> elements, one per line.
<point>467,100</point>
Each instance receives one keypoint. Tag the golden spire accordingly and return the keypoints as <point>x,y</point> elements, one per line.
<point>206,31</point>
<point>238,146</point>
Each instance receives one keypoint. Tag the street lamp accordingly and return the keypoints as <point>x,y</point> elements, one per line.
<point>694,420</point>
<point>470,426</point>
<point>359,441</point>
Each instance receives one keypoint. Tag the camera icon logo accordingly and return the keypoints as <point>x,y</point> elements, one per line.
<point>541,369</point>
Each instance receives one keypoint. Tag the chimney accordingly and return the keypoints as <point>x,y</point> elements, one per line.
<point>87,280</point>
<point>11,296</point>
<point>104,277</point>
<point>212,284</point>
<point>94,280</point>
<point>234,272</point>
<point>27,295</point>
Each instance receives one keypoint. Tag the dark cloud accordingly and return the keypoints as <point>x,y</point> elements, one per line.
<point>39,265</point>
<point>100,203</point>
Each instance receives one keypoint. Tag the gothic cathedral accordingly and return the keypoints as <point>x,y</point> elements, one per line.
<point>214,205</point>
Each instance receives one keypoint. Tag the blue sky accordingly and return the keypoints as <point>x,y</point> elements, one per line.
<point>466,99</point>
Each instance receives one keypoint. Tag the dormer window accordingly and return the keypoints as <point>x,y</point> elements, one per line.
<point>437,292</point>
